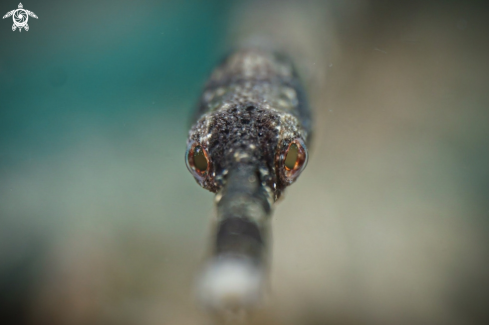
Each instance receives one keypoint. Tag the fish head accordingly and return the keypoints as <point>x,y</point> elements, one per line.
<point>266,143</point>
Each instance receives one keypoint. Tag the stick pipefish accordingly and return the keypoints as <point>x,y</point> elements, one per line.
<point>248,143</point>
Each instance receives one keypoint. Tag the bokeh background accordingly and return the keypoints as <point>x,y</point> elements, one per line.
<point>100,222</point>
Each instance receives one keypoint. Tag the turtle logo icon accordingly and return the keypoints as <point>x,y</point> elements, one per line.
<point>20,17</point>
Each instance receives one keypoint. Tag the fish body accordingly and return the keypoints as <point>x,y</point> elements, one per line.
<point>248,143</point>
<point>252,108</point>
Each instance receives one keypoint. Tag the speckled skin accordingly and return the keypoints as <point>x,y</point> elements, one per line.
<point>252,107</point>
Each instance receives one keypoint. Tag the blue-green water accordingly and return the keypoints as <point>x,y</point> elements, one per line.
<point>98,64</point>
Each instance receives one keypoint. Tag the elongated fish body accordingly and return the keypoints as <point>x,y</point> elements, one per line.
<point>252,108</point>
<point>248,143</point>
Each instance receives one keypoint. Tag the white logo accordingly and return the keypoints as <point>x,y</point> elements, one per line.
<point>20,17</point>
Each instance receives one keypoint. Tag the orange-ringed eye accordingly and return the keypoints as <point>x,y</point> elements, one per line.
<point>291,158</point>
<point>197,160</point>
<point>200,160</point>
<point>295,159</point>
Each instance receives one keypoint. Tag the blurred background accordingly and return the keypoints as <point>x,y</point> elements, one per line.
<point>101,223</point>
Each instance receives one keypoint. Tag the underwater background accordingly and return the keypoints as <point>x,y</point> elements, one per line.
<point>100,222</point>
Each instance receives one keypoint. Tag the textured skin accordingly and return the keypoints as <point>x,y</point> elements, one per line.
<point>251,109</point>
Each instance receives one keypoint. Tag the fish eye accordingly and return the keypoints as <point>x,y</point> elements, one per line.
<point>200,160</point>
<point>295,159</point>
<point>197,160</point>
<point>291,157</point>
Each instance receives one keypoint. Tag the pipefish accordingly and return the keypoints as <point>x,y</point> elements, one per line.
<point>247,144</point>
